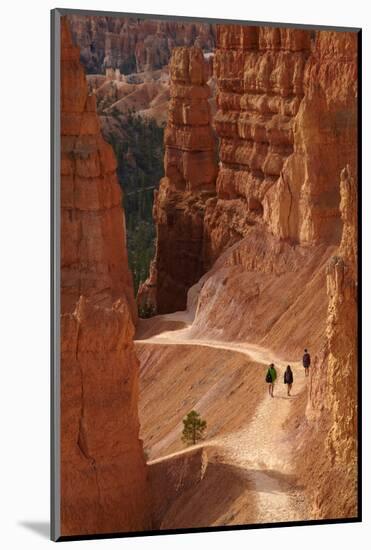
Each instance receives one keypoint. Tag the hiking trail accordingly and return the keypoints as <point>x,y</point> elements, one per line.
<point>263,449</point>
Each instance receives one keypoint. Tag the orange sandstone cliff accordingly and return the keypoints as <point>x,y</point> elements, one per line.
<point>332,405</point>
<point>190,172</point>
<point>259,73</point>
<point>103,472</point>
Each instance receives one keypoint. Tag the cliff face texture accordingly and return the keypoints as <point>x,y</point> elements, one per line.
<point>332,405</point>
<point>286,120</point>
<point>259,74</point>
<point>342,327</point>
<point>190,172</point>
<point>134,45</point>
<point>304,206</point>
<point>103,473</point>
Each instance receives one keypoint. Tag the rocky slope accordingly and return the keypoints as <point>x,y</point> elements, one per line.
<point>145,94</point>
<point>132,44</point>
<point>103,472</point>
<point>190,172</point>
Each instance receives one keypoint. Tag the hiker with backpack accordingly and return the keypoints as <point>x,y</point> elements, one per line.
<point>270,378</point>
<point>306,362</point>
<point>288,378</point>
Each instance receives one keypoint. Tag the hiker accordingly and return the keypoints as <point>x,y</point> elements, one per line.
<point>271,378</point>
<point>288,378</point>
<point>306,362</point>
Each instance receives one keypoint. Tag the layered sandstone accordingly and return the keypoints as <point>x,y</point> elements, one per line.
<point>147,96</point>
<point>342,279</point>
<point>134,45</point>
<point>259,73</point>
<point>190,172</point>
<point>332,401</point>
<point>103,472</point>
<point>304,205</point>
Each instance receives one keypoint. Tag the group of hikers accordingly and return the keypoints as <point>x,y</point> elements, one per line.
<point>288,377</point>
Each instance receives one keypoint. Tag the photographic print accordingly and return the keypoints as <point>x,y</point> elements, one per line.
<point>205,200</point>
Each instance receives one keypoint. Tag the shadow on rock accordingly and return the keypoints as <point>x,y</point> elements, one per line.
<point>194,489</point>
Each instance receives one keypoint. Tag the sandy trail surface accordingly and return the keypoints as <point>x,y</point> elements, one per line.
<point>263,449</point>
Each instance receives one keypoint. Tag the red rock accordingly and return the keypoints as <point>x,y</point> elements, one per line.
<point>103,471</point>
<point>190,172</point>
<point>324,136</point>
<point>333,396</point>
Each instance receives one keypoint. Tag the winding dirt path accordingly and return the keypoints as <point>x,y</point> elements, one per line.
<point>263,448</point>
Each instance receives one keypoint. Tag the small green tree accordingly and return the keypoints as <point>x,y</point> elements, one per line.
<point>194,428</point>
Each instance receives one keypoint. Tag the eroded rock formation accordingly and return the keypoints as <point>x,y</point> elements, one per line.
<point>259,74</point>
<point>134,45</point>
<point>190,172</point>
<point>103,472</point>
<point>341,331</point>
<point>332,401</point>
<point>304,205</point>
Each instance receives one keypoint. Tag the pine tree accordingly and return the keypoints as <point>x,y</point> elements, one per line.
<point>194,428</point>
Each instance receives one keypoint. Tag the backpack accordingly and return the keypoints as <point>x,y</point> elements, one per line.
<point>268,377</point>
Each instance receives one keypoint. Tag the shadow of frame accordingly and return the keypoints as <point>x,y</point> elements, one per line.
<point>42,528</point>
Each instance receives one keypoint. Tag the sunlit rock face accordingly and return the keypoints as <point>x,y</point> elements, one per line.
<point>286,121</point>
<point>190,173</point>
<point>103,472</point>
<point>333,396</point>
<point>304,205</point>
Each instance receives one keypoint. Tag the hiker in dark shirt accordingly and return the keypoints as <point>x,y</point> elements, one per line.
<point>270,378</point>
<point>306,362</point>
<point>288,378</point>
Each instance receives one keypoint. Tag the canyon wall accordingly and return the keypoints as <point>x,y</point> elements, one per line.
<point>259,73</point>
<point>103,471</point>
<point>332,406</point>
<point>189,182</point>
<point>134,45</point>
<point>286,121</point>
<point>304,205</point>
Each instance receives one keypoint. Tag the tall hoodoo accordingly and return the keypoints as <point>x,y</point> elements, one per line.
<point>333,394</point>
<point>103,472</point>
<point>190,172</point>
<point>342,327</point>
